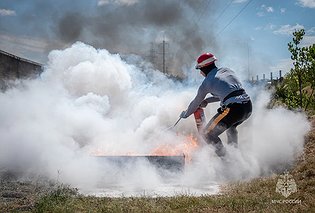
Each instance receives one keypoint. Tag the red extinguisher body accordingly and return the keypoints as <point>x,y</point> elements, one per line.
<point>200,119</point>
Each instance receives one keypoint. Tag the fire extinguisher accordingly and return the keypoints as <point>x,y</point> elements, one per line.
<point>200,119</point>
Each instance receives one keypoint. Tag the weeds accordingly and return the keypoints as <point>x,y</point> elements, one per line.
<point>59,200</point>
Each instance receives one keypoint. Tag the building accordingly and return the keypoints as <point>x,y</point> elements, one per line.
<point>13,67</point>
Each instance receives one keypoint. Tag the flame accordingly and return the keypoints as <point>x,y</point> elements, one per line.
<point>186,148</point>
<point>189,145</point>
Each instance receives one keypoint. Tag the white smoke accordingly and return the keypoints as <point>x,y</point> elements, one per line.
<point>90,101</point>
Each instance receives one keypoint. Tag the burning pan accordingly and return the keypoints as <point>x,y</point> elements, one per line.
<point>172,163</point>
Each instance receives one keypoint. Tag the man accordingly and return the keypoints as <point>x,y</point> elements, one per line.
<point>235,104</point>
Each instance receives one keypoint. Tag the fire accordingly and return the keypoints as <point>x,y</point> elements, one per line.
<point>189,145</point>
<point>186,148</point>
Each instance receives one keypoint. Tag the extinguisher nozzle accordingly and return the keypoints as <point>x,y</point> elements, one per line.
<point>171,127</point>
<point>177,121</point>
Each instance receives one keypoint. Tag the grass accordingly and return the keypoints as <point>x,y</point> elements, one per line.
<point>254,196</point>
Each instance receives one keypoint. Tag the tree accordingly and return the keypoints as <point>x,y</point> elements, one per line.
<point>298,56</point>
<point>298,86</point>
<point>310,77</point>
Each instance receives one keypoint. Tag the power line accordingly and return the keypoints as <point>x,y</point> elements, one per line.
<point>198,11</point>
<point>204,10</point>
<point>235,17</point>
<point>225,8</point>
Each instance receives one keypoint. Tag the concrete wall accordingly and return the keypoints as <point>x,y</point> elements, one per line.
<point>13,67</point>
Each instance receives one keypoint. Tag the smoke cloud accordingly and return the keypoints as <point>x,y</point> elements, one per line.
<point>90,101</point>
<point>125,27</point>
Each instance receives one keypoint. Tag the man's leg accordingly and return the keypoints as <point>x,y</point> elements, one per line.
<point>212,138</point>
<point>228,118</point>
<point>239,113</point>
<point>213,129</point>
<point>232,135</point>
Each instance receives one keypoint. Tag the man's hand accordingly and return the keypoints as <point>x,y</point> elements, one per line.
<point>203,103</point>
<point>183,114</point>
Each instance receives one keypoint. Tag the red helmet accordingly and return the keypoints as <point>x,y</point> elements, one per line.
<point>205,60</point>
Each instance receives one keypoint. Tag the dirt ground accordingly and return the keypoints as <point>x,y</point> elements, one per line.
<point>20,195</point>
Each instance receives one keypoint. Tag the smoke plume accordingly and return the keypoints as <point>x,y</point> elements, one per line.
<point>88,100</point>
<point>125,27</point>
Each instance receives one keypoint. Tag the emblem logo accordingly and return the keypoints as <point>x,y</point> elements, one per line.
<point>286,185</point>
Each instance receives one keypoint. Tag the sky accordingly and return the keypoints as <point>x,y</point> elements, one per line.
<point>249,36</point>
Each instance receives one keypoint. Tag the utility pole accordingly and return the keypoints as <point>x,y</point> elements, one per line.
<point>164,69</point>
<point>152,56</point>
<point>162,53</point>
<point>248,60</point>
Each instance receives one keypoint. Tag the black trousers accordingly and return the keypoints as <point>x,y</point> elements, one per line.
<point>227,119</point>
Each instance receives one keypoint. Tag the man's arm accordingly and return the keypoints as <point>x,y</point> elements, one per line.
<point>212,99</point>
<point>193,106</point>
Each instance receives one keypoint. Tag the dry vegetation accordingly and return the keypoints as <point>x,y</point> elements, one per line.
<point>254,196</point>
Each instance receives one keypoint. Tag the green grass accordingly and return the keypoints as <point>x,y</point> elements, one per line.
<point>254,196</point>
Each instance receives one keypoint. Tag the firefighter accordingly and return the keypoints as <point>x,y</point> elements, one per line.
<point>235,104</point>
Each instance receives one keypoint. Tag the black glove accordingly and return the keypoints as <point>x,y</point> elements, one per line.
<point>183,114</point>
<point>203,103</point>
